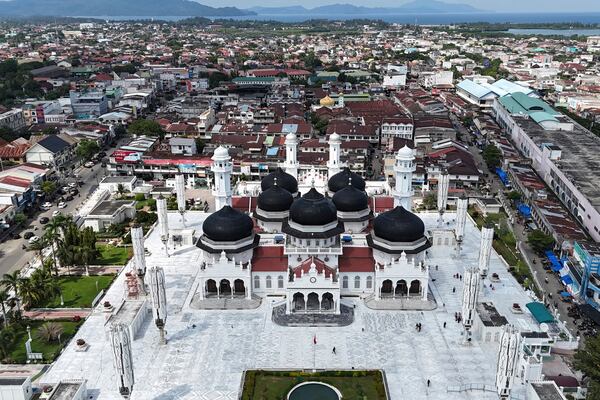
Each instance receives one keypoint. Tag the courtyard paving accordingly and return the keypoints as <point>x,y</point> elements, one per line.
<point>208,350</point>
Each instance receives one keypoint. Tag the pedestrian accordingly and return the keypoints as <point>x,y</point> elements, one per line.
<point>428,382</point>
<point>460,276</point>
<point>436,267</point>
<point>444,324</point>
<point>334,350</point>
<point>454,289</point>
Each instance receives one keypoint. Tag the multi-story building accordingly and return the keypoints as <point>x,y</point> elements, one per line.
<point>13,119</point>
<point>88,105</point>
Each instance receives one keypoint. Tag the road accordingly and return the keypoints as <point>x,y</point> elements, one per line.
<point>12,256</point>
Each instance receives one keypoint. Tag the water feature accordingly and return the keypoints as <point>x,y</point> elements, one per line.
<point>314,391</point>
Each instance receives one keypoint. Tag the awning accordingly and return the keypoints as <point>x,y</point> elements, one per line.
<point>565,294</point>
<point>567,280</point>
<point>556,265</point>
<point>540,312</point>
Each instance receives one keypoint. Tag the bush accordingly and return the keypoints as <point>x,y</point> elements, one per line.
<point>140,197</point>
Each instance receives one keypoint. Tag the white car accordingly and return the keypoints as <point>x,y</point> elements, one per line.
<point>33,239</point>
<point>46,206</point>
<point>62,204</point>
<point>89,164</point>
<point>72,185</point>
<point>55,213</point>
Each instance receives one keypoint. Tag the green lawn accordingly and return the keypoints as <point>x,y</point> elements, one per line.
<point>50,350</point>
<point>113,255</point>
<point>275,385</point>
<point>79,291</point>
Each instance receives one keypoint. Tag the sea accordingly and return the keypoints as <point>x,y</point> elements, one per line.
<point>426,19</point>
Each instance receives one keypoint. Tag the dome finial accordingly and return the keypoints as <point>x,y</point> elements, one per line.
<point>349,181</point>
<point>275,181</point>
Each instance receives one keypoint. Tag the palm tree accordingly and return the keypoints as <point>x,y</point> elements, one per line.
<point>50,331</point>
<point>86,255</point>
<point>31,290</point>
<point>12,282</point>
<point>53,288</point>
<point>39,246</point>
<point>4,296</point>
<point>7,337</point>
<point>52,235</point>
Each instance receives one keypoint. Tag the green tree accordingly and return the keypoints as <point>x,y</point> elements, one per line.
<point>587,360</point>
<point>430,201</point>
<point>86,149</point>
<point>145,127</point>
<point>48,187</point>
<point>49,332</point>
<point>513,195</point>
<point>7,337</point>
<point>539,241</point>
<point>200,145</point>
<point>19,219</point>
<point>4,297</point>
<point>492,156</point>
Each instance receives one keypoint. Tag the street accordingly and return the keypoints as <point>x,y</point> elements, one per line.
<point>12,255</point>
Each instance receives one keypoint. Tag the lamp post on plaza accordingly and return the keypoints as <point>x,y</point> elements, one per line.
<point>159,300</point>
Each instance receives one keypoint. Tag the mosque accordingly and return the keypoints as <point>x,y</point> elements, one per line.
<point>315,238</point>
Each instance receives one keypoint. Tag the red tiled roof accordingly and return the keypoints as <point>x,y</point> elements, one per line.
<point>320,265</point>
<point>356,259</point>
<point>269,258</point>
<point>11,180</point>
<point>241,203</point>
<point>382,203</point>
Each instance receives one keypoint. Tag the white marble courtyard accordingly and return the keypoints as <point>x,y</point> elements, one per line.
<point>207,361</point>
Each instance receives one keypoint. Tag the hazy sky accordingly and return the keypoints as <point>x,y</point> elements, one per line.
<point>496,5</point>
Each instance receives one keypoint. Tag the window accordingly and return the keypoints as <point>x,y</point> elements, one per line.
<point>268,284</point>
<point>357,282</point>
<point>369,282</point>
<point>257,282</point>
<point>280,282</point>
<point>345,282</point>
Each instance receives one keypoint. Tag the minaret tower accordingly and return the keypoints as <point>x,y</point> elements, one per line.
<point>403,171</point>
<point>462,206</point>
<point>470,296</point>
<point>291,155</point>
<point>163,221</point>
<point>487,239</point>
<point>222,169</point>
<point>335,147</point>
<point>442,194</point>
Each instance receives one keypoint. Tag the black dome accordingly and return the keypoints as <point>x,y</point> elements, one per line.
<point>283,179</point>
<point>227,225</point>
<point>275,198</point>
<point>313,209</point>
<point>341,179</point>
<point>398,225</point>
<point>350,199</point>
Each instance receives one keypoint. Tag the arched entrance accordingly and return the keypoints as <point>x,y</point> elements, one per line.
<point>225,288</point>
<point>211,288</point>
<point>401,288</point>
<point>239,288</point>
<point>327,302</point>
<point>298,302</point>
<point>312,302</point>
<point>387,288</point>
<point>415,288</point>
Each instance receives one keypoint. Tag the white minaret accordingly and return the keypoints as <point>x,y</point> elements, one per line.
<point>335,147</point>
<point>180,191</point>
<point>123,358</point>
<point>159,300</point>
<point>471,281</point>
<point>222,169</point>
<point>291,155</point>
<point>487,239</point>
<point>462,207</point>
<point>442,194</point>
<point>508,357</point>
<point>403,171</point>
<point>163,221</point>
<point>139,254</point>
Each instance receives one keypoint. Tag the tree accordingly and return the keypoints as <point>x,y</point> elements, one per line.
<point>200,145</point>
<point>143,217</point>
<point>539,241</point>
<point>513,195</point>
<point>492,156</point>
<point>216,78</point>
<point>4,296</point>
<point>430,202</point>
<point>121,190</point>
<point>50,331</point>
<point>48,187</point>
<point>86,255</point>
<point>19,219</point>
<point>86,149</point>
<point>12,282</point>
<point>587,360</point>
<point>52,234</point>
<point>7,337</point>
<point>145,127</point>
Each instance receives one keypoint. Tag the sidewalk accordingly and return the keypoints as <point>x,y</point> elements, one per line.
<point>58,313</point>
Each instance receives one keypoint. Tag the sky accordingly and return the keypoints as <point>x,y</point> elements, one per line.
<point>488,5</point>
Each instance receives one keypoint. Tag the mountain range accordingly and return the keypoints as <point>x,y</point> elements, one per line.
<point>93,8</point>
<point>413,7</point>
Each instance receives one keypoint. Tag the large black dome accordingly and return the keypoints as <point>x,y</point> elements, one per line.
<point>281,178</point>
<point>398,225</point>
<point>275,198</point>
<point>313,209</point>
<point>227,225</point>
<point>350,199</point>
<point>341,179</point>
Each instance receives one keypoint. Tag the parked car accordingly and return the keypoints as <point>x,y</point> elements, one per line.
<point>55,213</point>
<point>69,198</point>
<point>46,206</point>
<point>62,204</point>
<point>72,184</point>
<point>33,239</point>
<point>28,235</point>
<point>44,220</point>
<point>74,192</point>
<point>89,164</point>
